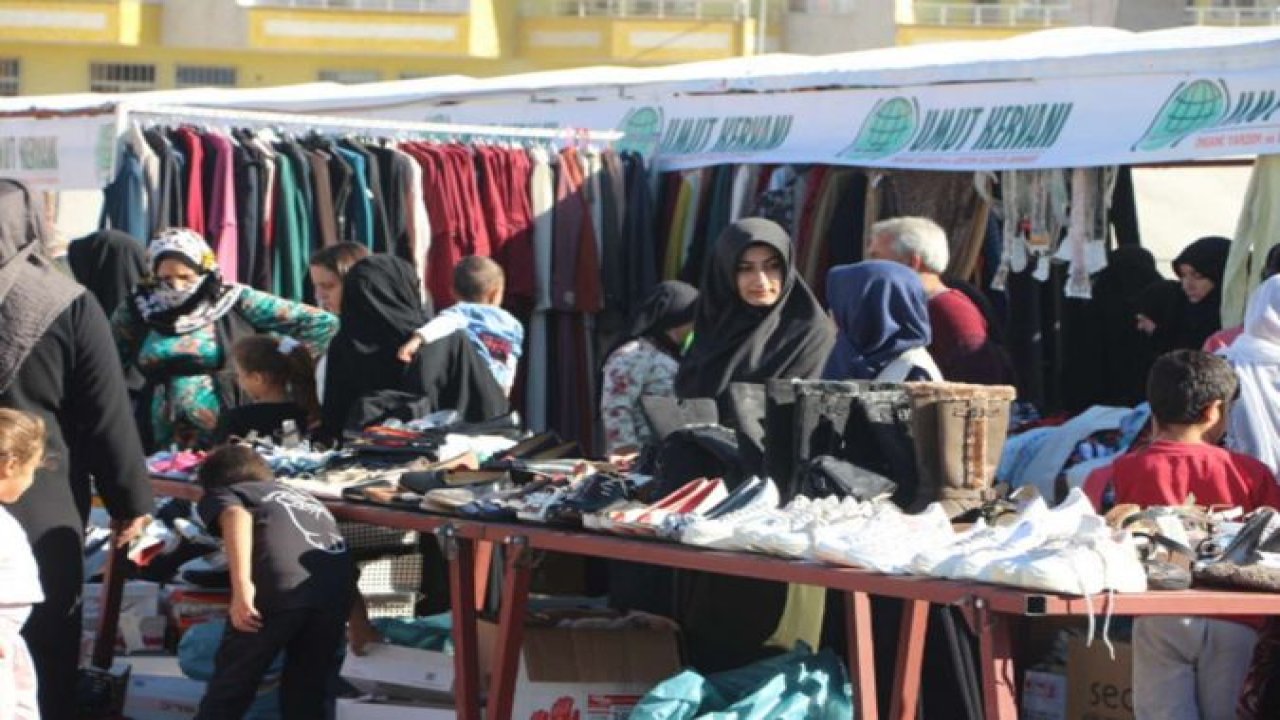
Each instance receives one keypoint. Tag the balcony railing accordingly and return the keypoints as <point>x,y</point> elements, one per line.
<point>451,7</point>
<point>991,15</point>
<point>1233,16</point>
<point>680,9</point>
<point>823,7</point>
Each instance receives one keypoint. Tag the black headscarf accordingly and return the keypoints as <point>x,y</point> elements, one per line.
<point>1180,323</point>
<point>109,263</point>
<point>381,307</point>
<point>737,342</point>
<point>1116,366</point>
<point>381,304</point>
<point>32,291</point>
<point>670,305</point>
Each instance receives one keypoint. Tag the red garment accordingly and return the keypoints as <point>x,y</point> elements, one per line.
<point>1167,473</point>
<point>223,231</point>
<point>445,221</point>
<point>516,255</point>
<point>959,337</point>
<point>195,179</point>
<point>1222,339</point>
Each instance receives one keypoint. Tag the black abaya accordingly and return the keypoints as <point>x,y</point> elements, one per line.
<point>72,379</point>
<point>381,307</point>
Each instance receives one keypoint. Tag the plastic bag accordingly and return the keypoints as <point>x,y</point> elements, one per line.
<point>799,685</point>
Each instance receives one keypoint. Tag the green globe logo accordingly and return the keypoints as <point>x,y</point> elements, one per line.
<point>641,131</point>
<point>1191,108</point>
<point>887,129</point>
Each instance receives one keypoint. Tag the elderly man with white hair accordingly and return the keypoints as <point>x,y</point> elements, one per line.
<point>961,340</point>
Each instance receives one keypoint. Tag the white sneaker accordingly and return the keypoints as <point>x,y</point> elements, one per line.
<point>1034,526</point>
<point>756,534</point>
<point>1093,560</point>
<point>719,532</point>
<point>978,536</point>
<point>888,542</point>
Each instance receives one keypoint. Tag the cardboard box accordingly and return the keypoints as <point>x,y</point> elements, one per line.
<point>1099,688</point>
<point>166,697</point>
<point>189,607</point>
<point>586,673</point>
<point>372,709</point>
<point>400,672</point>
<point>1044,696</point>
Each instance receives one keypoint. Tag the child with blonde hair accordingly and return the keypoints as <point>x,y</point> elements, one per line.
<point>22,438</point>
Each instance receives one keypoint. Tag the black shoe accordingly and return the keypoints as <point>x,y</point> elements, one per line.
<point>594,494</point>
<point>740,497</point>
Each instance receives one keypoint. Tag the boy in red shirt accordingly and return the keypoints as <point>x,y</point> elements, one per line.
<point>1191,667</point>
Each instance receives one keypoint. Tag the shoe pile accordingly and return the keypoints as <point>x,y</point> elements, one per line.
<point>1068,549</point>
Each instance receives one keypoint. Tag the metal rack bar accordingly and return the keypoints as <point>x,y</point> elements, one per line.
<point>329,122</point>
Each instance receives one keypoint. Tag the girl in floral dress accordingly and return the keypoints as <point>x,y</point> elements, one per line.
<point>645,364</point>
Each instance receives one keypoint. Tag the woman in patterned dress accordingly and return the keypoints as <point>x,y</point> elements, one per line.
<point>177,330</point>
<point>645,363</point>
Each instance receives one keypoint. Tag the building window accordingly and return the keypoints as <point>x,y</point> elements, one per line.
<point>121,77</point>
<point>10,74</point>
<point>189,76</point>
<point>350,77</point>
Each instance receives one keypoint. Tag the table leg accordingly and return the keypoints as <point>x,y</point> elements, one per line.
<point>466,653</point>
<point>515,599</point>
<point>484,559</point>
<point>999,696</point>
<point>906,680</point>
<point>862,655</point>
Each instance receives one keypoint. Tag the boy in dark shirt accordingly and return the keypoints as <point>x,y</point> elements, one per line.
<point>1191,667</point>
<point>291,587</point>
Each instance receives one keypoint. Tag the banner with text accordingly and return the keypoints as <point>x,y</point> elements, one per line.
<point>1008,125</point>
<point>58,152</point>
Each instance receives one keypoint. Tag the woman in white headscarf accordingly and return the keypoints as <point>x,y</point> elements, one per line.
<point>178,328</point>
<point>1255,417</point>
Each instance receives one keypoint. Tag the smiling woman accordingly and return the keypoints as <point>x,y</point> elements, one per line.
<point>756,318</point>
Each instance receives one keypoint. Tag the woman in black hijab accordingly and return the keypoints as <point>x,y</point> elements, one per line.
<point>1111,358</point>
<point>110,263</point>
<point>1182,315</point>
<point>58,361</point>
<point>645,363</point>
<point>381,307</point>
<point>756,319</point>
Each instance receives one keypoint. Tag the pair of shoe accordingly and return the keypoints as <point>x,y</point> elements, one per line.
<point>694,497</point>
<point>715,528</point>
<point>1251,561</point>
<point>593,495</point>
<point>887,540</point>
<point>1094,559</point>
<point>969,558</point>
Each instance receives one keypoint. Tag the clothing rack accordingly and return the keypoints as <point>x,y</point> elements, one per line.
<point>445,132</point>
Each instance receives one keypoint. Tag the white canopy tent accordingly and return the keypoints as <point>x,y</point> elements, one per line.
<point>1058,98</point>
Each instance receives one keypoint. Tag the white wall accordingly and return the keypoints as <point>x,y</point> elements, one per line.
<point>1178,205</point>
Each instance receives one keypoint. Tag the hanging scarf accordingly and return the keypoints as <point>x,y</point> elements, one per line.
<point>738,342</point>
<point>1255,417</point>
<point>177,311</point>
<point>32,291</point>
<point>110,263</point>
<point>881,312</point>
